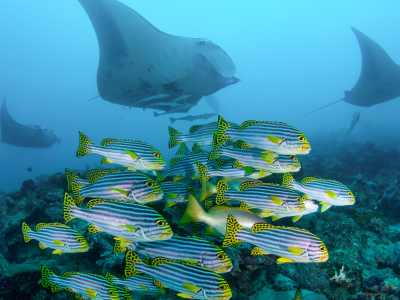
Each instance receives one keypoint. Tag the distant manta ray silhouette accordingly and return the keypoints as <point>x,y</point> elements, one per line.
<point>379,80</point>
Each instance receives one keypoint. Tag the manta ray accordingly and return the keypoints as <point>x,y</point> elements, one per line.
<point>141,66</point>
<point>379,80</point>
<point>16,134</point>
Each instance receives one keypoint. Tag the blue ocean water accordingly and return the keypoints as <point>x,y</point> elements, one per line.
<point>292,57</point>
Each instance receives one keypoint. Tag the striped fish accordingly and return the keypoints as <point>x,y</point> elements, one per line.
<point>136,155</point>
<point>192,250</point>
<point>176,191</point>
<point>271,198</point>
<point>200,134</point>
<point>289,243</point>
<point>258,159</point>
<point>225,169</point>
<point>124,185</point>
<point>56,236</point>
<point>277,137</point>
<point>138,283</point>
<point>216,217</point>
<point>73,177</point>
<point>124,220</point>
<point>176,212</point>
<point>310,206</point>
<point>298,295</point>
<point>328,192</point>
<point>188,280</point>
<point>185,166</point>
<point>84,285</point>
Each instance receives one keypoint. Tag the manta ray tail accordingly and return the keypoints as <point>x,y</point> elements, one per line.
<point>94,98</point>
<point>322,107</point>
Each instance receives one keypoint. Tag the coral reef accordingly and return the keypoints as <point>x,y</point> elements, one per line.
<point>363,240</point>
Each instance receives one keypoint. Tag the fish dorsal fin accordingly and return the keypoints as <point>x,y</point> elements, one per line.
<point>43,225</point>
<point>110,276</point>
<point>95,174</point>
<point>106,142</point>
<point>309,179</point>
<point>194,128</point>
<point>241,145</point>
<point>67,274</point>
<point>196,149</point>
<point>161,260</point>
<point>92,203</point>
<point>248,184</point>
<point>261,226</point>
<point>183,149</point>
<point>174,160</point>
<point>249,123</point>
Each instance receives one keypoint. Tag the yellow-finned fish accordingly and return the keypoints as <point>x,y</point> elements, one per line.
<point>289,243</point>
<point>56,236</point>
<point>328,192</point>
<point>216,217</point>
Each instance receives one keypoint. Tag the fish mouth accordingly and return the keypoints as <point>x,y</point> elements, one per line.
<point>166,235</point>
<point>305,149</point>
<point>225,269</point>
<point>324,258</point>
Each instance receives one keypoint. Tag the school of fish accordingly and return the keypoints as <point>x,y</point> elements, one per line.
<point>231,201</point>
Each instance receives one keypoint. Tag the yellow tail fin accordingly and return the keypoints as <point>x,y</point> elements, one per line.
<point>194,212</point>
<point>232,228</point>
<point>76,187</point>
<point>84,142</point>
<point>173,137</point>
<point>287,179</point>
<point>68,202</point>
<point>46,273</point>
<point>131,259</point>
<point>221,190</point>
<point>71,177</point>
<point>25,230</point>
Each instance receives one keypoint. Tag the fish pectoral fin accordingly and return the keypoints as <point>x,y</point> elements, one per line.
<point>192,288</point>
<point>184,295</point>
<point>296,251</point>
<point>131,169</point>
<point>132,154</point>
<point>172,195</point>
<point>91,293</point>
<point>331,194</point>
<point>123,192</point>
<point>143,287</point>
<point>273,218</point>
<point>42,246</point>
<point>129,227</point>
<point>277,201</point>
<point>295,219</point>
<point>58,252</point>
<point>269,157</point>
<point>58,243</point>
<point>325,207</point>
<point>274,139</point>
<point>283,260</point>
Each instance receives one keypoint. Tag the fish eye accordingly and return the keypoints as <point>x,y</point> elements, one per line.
<point>350,193</point>
<point>223,287</point>
<point>149,184</point>
<point>292,157</point>
<point>112,293</point>
<point>79,240</point>
<point>156,154</point>
<point>221,256</point>
<point>298,199</point>
<point>322,248</point>
<point>301,138</point>
<point>160,223</point>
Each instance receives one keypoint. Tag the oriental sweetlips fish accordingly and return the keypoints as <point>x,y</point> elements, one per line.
<point>124,185</point>
<point>83,285</point>
<point>188,280</point>
<point>121,219</point>
<point>289,243</point>
<point>56,236</point>
<point>141,284</point>
<point>91,177</point>
<point>271,198</point>
<point>192,250</point>
<point>273,136</point>
<point>328,192</point>
<point>200,134</point>
<point>224,168</point>
<point>136,155</point>
<point>176,191</point>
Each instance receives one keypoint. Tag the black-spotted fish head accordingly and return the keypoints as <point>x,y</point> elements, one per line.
<point>217,261</point>
<point>145,190</point>
<point>287,163</point>
<point>156,228</point>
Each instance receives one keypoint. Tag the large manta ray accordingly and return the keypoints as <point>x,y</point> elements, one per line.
<point>16,134</point>
<point>379,80</point>
<point>141,66</point>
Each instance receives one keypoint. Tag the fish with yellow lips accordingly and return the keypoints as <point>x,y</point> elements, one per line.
<point>277,137</point>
